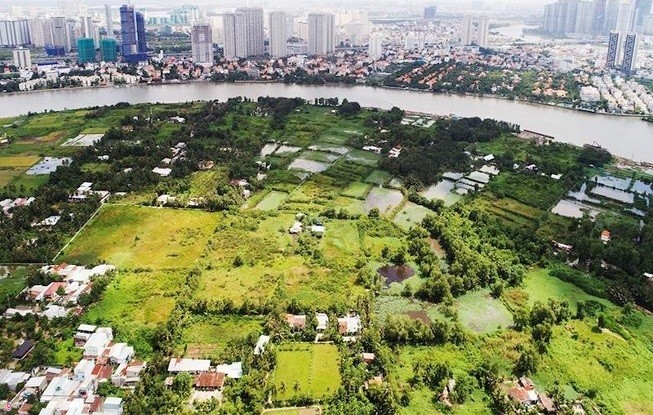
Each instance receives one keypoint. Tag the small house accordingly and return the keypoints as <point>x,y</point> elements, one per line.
<point>296,322</point>
<point>368,357</point>
<point>209,381</point>
<point>322,321</point>
<point>606,236</point>
<point>23,350</point>
<point>318,230</point>
<point>263,340</point>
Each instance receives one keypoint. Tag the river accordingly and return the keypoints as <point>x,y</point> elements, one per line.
<point>627,137</point>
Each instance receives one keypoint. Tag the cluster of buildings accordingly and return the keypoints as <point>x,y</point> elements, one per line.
<point>597,17</point>
<point>523,392</point>
<point>61,296</point>
<point>620,95</point>
<point>74,391</point>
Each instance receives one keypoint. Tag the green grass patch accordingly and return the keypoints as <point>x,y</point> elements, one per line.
<point>541,192</point>
<point>210,337</point>
<point>411,215</point>
<point>481,313</point>
<point>378,177</point>
<point>143,237</point>
<point>18,161</point>
<point>272,201</point>
<point>357,190</point>
<point>307,369</point>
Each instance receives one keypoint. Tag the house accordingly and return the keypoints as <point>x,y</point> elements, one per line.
<point>368,357</point>
<point>205,165</point>
<point>60,387</point>
<point>563,247</point>
<point>23,350</point>
<point>209,381</point>
<point>12,379</point>
<point>373,149</point>
<point>296,322</point>
<point>112,406</point>
<point>120,353</point>
<point>127,374</point>
<point>263,340</point>
<point>97,342</point>
<point>20,310</point>
<point>489,157</point>
<point>233,370</point>
<point>35,385</point>
<point>349,324</point>
<point>84,331</point>
<point>83,369</point>
<point>322,321</point>
<point>523,396</point>
<point>55,311</point>
<point>179,365</point>
<point>296,228</point>
<point>318,230</point>
<point>546,404</point>
<point>606,236</point>
<point>163,172</point>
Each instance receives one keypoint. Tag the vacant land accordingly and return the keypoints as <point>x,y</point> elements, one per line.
<point>272,201</point>
<point>481,313</point>
<point>210,337</point>
<point>143,237</point>
<point>307,369</point>
<point>383,199</point>
<point>411,215</point>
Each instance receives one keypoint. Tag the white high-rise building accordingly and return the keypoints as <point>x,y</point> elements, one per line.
<point>217,27</point>
<point>14,33</point>
<point>40,32</point>
<point>278,34</point>
<point>90,30</point>
<point>60,33</point>
<point>229,45</point>
<point>321,33</point>
<point>375,49</point>
<point>625,16</point>
<point>108,20</point>
<point>630,53</point>
<point>22,58</point>
<point>474,31</point>
<point>202,43</point>
<point>251,19</point>
<point>301,28</point>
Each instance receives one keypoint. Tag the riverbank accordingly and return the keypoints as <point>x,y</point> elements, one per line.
<point>263,82</point>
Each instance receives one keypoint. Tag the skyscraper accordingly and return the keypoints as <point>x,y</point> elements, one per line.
<point>321,33</point>
<point>132,30</point>
<point>613,49</point>
<point>14,33</point>
<point>611,14</point>
<point>85,50</point>
<point>278,34</point>
<point>474,31</point>
<point>430,12</point>
<point>22,58</point>
<point>109,49</point>
<point>108,20</point>
<point>598,18</point>
<point>202,43</point>
<point>584,16</point>
<point>250,24</point>
<point>625,16</point>
<point>630,54</point>
<point>40,32</point>
<point>375,49</point>
<point>642,11</point>
<point>61,35</point>
<point>89,30</point>
<point>229,26</point>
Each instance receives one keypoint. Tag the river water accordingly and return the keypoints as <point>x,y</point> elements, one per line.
<point>623,136</point>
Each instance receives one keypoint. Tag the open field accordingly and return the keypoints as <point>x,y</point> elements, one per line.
<point>357,190</point>
<point>11,285</point>
<point>304,368</point>
<point>7,175</point>
<point>272,201</point>
<point>209,337</point>
<point>481,313</point>
<point>383,199</point>
<point>378,177</point>
<point>307,410</point>
<point>142,237</point>
<point>18,161</point>
<point>411,215</point>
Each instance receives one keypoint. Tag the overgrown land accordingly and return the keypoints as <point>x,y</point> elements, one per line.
<point>472,252</point>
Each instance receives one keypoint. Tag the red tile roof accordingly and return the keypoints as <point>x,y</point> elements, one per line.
<point>213,380</point>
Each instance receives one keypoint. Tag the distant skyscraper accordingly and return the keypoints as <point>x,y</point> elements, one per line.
<point>229,26</point>
<point>40,32</point>
<point>252,27</point>
<point>321,33</point>
<point>89,30</point>
<point>61,34</point>
<point>474,31</point>
<point>611,14</point>
<point>85,50</point>
<point>625,16</point>
<point>202,43</point>
<point>430,12</point>
<point>598,17</point>
<point>278,34</point>
<point>132,30</point>
<point>22,58</point>
<point>642,11</point>
<point>630,53</point>
<point>14,33</point>
<point>613,49</point>
<point>109,49</point>
<point>108,20</point>
<point>584,16</point>
<point>375,49</point>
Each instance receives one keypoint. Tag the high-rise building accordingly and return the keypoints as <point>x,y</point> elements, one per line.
<point>202,43</point>
<point>14,33</point>
<point>108,20</point>
<point>584,17</point>
<point>474,31</point>
<point>642,11</point>
<point>598,17</point>
<point>229,26</point>
<point>85,50</point>
<point>90,30</point>
<point>109,49</point>
<point>61,34</point>
<point>301,28</point>
<point>630,53</point>
<point>278,34</point>
<point>430,12</point>
<point>321,33</point>
<point>22,58</point>
<point>625,16</point>
<point>40,32</point>
<point>375,49</point>
<point>251,25</point>
<point>611,14</point>
<point>613,49</point>
<point>132,30</point>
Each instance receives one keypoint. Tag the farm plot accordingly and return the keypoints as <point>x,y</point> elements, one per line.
<point>272,201</point>
<point>48,165</point>
<point>308,165</point>
<point>481,313</point>
<point>378,177</point>
<point>210,337</point>
<point>307,369</point>
<point>383,199</point>
<point>357,190</point>
<point>442,191</point>
<point>18,161</point>
<point>366,158</point>
<point>142,237</point>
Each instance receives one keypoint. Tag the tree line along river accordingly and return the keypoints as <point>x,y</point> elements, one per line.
<point>628,137</point>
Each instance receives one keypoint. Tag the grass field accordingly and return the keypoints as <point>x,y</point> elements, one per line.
<point>272,201</point>
<point>307,369</point>
<point>383,199</point>
<point>378,177</point>
<point>7,175</point>
<point>411,215</point>
<point>142,237</point>
<point>357,190</point>
<point>481,313</point>
<point>209,337</point>
<point>11,285</point>
<point>18,161</point>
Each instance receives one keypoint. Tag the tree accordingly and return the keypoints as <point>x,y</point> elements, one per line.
<point>526,364</point>
<point>182,385</point>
